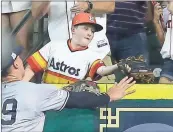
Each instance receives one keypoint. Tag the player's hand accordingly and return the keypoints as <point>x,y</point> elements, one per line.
<point>158,11</point>
<point>118,91</point>
<point>79,7</point>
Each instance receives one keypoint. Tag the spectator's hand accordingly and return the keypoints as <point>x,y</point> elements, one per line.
<point>79,7</point>
<point>157,12</point>
<point>118,91</point>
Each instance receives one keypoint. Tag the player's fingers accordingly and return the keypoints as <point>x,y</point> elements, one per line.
<point>129,85</point>
<point>122,81</point>
<point>126,83</point>
<point>130,92</point>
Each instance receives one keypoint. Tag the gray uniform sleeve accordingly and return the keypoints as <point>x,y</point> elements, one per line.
<point>51,98</point>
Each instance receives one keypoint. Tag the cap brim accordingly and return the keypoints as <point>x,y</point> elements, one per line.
<point>97,27</point>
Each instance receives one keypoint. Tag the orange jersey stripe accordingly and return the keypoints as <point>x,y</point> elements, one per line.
<point>37,62</point>
<point>40,60</point>
<point>56,78</point>
<point>96,64</point>
<point>33,64</point>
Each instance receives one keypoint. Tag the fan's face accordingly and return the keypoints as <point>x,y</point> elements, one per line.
<point>84,34</point>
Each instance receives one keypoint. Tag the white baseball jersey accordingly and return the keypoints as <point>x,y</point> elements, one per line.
<point>23,104</point>
<point>59,27</point>
<point>167,49</point>
<point>62,64</point>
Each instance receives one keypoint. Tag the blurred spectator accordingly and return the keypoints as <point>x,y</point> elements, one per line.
<point>155,34</point>
<point>167,49</point>
<point>12,14</point>
<point>126,30</point>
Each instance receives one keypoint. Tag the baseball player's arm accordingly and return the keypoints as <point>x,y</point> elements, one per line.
<point>116,92</point>
<point>51,98</point>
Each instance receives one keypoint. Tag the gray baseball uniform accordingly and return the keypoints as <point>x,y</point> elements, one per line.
<point>23,104</point>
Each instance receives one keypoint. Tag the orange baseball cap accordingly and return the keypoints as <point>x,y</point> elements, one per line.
<point>86,18</point>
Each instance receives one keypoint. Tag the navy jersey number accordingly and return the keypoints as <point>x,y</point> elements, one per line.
<point>9,112</point>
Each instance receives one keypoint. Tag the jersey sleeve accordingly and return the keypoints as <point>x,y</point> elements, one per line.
<point>94,65</point>
<point>39,60</point>
<point>51,98</point>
